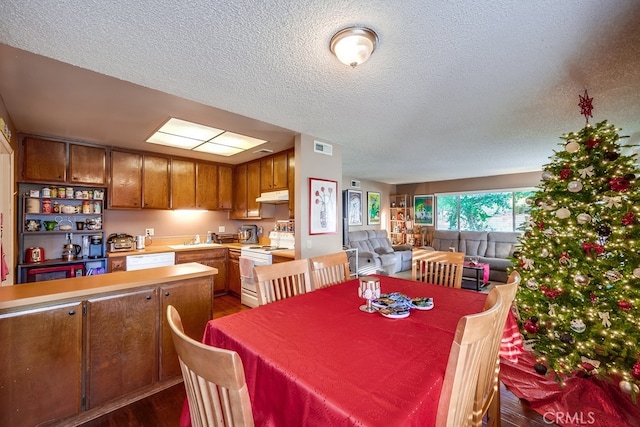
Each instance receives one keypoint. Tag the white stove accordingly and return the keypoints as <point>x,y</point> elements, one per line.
<point>252,255</point>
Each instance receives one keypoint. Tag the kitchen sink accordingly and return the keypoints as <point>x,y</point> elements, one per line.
<point>195,246</point>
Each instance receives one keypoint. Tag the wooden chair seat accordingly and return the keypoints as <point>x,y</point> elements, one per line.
<point>213,378</point>
<point>328,270</point>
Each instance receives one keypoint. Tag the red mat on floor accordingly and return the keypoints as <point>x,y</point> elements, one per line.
<point>582,402</point>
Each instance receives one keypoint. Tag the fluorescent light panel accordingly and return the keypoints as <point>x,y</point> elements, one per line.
<point>192,136</point>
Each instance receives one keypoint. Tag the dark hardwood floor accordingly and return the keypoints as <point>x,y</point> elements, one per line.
<point>164,408</point>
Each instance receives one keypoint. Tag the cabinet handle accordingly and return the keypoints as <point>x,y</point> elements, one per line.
<point>148,297</point>
<point>166,294</point>
<point>72,312</point>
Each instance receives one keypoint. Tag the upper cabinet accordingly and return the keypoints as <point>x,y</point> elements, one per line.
<point>213,186</point>
<point>126,180</point>
<point>46,161</point>
<point>155,182</point>
<point>183,184</point>
<point>274,172</point>
<point>225,187</point>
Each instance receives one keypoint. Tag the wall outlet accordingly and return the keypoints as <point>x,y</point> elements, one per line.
<point>221,229</point>
<point>149,232</point>
<point>308,243</point>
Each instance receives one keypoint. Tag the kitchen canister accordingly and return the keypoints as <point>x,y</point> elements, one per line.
<point>78,194</point>
<point>46,206</point>
<point>33,206</point>
<point>69,193</point>
<point>87,207</point>
<point>97,207</point>
<point>62,193</point>
<point>54,192</point>
<point>46,192</point>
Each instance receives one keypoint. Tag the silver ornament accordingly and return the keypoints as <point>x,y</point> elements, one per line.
<point>563,213</point>
<point>546,175</point>
<point>581,279</point>
<point>627,387</point>
<point>578,326</point>
<point>574,186</point>
<point>544,253</point>
<point>636,273</point>
<point>583,218</point>
<point>532,284</point>
<point>613,275</point>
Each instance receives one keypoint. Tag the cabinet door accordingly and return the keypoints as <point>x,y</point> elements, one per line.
<point>266,174</point>
<point>280,170</point>
<point>116,264</point>
<point>253,189</point>
<point>291,182</point>
<point>225,187</point>
<point>126,180</point>
<point>155,182</point>
<point>193,299</point>
<point>216,258</point>
<point>87,165</point>
<point>233,272</point>
<point>44,161</point>
<point>183,184</point>
<point>121,343</point>
<point>207,186</point>
<point>41,359</point>
<point>239,192</point>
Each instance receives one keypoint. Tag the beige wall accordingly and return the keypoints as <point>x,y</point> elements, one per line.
<point>496,182</point>
<point>385,191</point>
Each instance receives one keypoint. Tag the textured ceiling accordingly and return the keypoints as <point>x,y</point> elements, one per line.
<point>455,89</point>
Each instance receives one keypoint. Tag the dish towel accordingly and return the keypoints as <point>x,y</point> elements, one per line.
<point>246,268</point>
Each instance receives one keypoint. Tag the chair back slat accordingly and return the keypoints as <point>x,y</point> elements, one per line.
<point>439,267</point>
<point>214,380</point>
<point>282,280</point>
<point>470,350</point>
<point>328,270</point>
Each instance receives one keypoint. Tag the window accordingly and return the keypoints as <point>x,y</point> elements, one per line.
<point>486,211</point>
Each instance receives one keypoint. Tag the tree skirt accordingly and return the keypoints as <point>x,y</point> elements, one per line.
<point>582,402</point>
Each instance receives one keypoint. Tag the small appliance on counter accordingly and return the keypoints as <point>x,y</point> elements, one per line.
<point>248,234</point>
<point>120,242</point>
<point>35,254</point>
<point>140,242</point>
<point>225,238</point>
<point>96,249</point>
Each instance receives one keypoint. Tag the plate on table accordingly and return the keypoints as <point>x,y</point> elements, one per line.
<point>394,312</point>
<point>422,303</point>
<point>392,300</point>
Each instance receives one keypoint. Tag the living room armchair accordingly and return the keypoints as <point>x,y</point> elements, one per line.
<point>376,254</point>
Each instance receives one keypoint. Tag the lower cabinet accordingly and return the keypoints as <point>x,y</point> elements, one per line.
<point>58,368</point>
<point>216,258</point>
<point>233,272</point>
<point>41,357</point>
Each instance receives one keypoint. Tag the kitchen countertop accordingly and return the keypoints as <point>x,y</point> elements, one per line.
<point>161,247</point>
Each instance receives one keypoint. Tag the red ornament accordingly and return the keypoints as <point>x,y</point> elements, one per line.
<point>541,225</point>
<point>635,371</point>
<point>565,259</point>
<point>619,184</point>
<point>592,143</point>
<point>594,298</point>
<point>565,174</point>
<point>628,218</point>
<point>624,305</point>
<point>530,327</point>
<point>592,249</point>
<point>586,105</point>
<point>588,366</point>
<point>550,293</point>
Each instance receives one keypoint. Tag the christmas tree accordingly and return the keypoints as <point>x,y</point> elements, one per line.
<point>579,260</point>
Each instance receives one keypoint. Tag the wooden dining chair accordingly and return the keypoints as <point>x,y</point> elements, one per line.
<point>282,280</point>
<point>439,267</point>
<point>213,378</point>
<point>470,350</point>
<point>488,393</point>
<point>328,270</point>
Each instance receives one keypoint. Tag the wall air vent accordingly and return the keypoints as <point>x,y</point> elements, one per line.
<point>355,183</point>
<point>264,150</point>
<point>323,148</point>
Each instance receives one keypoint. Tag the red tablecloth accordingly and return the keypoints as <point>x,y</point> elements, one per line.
<point>316,359</point>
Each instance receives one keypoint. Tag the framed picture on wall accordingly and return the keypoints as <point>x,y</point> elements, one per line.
<point>354,207</point>
<point>424,210</point>
<point>323,202</point>
<point>373,207</point>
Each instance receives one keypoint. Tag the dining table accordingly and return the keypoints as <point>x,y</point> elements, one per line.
<point>316,359</point>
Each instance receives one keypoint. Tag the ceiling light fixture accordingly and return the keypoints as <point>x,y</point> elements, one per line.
<point>353,45</point>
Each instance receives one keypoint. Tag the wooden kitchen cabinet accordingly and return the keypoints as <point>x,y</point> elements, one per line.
<point>193,300</point>
<point>253,189</point>
<point>183,184</point>
<point>116,264</point>
<point>207,186</point>
<point>125,189</point>
<point>41,361</point>
<point>216,258</point>
<point>291,182</point>
<point>225,187</point>
<point>239,192</point>
<point>274,172</point>
<point>155,182</point>
<point>233,272</point>
<point>87,165</point>
<point>44,160</point>
<point>246,181</point>
<point>121,345</point>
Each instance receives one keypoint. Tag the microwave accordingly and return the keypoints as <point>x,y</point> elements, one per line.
<point>40,274</point>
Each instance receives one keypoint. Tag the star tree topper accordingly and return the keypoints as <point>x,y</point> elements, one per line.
<point>585,105</point>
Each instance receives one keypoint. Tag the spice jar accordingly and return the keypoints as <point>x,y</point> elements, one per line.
<point>54,192</point>
<point>62,192</point>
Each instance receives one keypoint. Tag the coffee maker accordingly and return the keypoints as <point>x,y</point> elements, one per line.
<point>96,248</point>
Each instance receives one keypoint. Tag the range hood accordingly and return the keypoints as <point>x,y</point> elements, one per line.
<point>274,197</point>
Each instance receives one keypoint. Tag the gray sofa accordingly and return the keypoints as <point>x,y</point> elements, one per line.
<point>491,247</point>
<point>376,254</point>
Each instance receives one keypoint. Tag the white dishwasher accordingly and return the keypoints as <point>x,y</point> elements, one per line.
<point>140,262</point>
